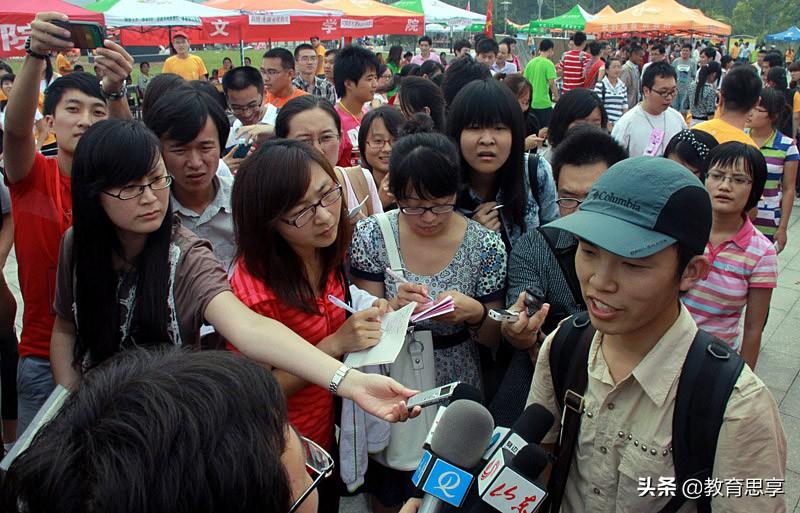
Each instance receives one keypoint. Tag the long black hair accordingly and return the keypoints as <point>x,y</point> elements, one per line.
<point>113,153</point>
<point>573,105</point>
<point>707,70</point>
<point>485,103</point>
<point>417,93</point>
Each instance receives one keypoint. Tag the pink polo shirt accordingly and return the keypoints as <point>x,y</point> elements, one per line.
<point>748,260</point>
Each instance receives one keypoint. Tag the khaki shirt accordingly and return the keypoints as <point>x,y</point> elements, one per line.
<point>626,431</point>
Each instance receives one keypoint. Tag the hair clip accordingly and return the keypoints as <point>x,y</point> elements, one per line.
<point>688,136</point>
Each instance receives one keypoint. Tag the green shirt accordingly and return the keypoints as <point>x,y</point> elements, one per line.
<point>539,72</point>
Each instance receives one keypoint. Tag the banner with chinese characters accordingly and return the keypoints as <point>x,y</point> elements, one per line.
<point>248,28</point>
<point>213,30</point>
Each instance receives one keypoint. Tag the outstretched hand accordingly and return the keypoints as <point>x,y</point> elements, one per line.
<point>379,395</point>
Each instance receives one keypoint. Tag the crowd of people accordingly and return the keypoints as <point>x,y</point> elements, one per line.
<point>642,188</point>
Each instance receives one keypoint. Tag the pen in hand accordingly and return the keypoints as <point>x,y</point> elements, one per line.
<point>399,279</point>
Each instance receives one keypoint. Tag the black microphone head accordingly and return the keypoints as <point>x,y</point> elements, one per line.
<point>463,433</point>
<point>530,461</point>
<point>468,392</point>
<point>534,423</point>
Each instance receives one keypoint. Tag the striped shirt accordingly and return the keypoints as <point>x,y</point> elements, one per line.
<point>311,409</point>
<point>746,261</point>
<point>777,150</point>
<point>615,99</point>
<point>573,65</point>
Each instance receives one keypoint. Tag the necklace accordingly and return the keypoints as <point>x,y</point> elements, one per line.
<point>647,118</point>
<point>357,118</point>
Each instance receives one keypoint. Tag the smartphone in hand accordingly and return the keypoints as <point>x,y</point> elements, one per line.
<point>87,35</point>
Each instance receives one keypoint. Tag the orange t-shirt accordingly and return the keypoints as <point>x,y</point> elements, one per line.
<point>63,66</point>
<point>41,205</point>
<point>280,101</point>
<point>311,407</point>
<point>724,132</point>
<point>191,68</point>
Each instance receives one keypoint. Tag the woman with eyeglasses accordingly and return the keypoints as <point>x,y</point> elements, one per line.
<point>379,130</point>
<point>743,261</point>
<point>314,120</point>
<point>169,430</point>
<point>130,275</point>
<point>292,235</point>
<point>442,253</point>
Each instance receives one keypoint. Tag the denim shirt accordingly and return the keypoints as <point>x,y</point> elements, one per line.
<point>536,214</point>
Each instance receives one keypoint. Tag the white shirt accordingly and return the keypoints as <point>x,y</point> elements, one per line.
<point>634,129</point>
<point>269,119</point>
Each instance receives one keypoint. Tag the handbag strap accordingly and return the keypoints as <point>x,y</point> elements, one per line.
<point>392,251</point>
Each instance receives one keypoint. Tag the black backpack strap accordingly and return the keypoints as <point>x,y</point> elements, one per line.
<point>707,380</point>
<point>566,261</point>
<point>569,353</point>
<point>533,177</point>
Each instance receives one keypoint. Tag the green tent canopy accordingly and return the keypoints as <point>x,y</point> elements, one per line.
<point>574,19</point>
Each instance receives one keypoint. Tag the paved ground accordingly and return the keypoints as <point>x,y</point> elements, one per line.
<point>778,364</point>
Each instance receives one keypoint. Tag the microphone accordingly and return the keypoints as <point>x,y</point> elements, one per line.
<point>443,473</point>
<point>463,391</point>
<point>516,490</point>
<point>528,430</point>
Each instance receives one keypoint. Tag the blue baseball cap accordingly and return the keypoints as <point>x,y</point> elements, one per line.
<point>642,205</point>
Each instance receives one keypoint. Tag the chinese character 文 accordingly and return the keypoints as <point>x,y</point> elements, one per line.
<point>13,36</point>
<point>219,28</point>
<point>645,487</point>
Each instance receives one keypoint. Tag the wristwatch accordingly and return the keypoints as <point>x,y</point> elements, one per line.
<point>32,53</point>
<point>117,95</point>
<point>337,378</point>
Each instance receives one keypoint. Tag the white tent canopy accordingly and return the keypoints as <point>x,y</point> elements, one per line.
<point>153,13</point>
<point>436,11</point>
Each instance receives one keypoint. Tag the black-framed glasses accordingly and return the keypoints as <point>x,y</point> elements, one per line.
<point>672,93</point>
<point>250,107</point>
<point>308,213</point>
<point>318,462</point>
<point>134,191</point>
<point>418,211</point>
<point>569,202</point>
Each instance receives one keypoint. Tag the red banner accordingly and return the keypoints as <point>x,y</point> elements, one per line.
<point>487,28</point>
<point>353,26</point>
<point>248,28</point>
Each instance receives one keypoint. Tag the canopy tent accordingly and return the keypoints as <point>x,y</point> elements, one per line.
<point>605,11</point>
<point>365,17</point>
<point>153,13</point>
<point>16,16</point>
<point>789,35</point>
<point>574,19</point>
<point>526,28</point>
<point>663,16</point>
<point>436,11</point>
<point>475,27</point>
<point>284,20</point>
<point>436,28</point>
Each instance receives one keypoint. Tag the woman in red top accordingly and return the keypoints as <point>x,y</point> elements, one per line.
<point>291,245</point>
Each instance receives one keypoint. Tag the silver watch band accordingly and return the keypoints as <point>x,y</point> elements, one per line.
<point>337,378</point>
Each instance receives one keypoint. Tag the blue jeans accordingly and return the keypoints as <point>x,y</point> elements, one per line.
<point>678,101</point>
<point>34,385</point>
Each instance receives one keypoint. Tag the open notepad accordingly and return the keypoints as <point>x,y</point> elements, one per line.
<point>394,326</point>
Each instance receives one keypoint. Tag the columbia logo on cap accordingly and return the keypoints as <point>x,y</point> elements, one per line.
<point>617,200</point>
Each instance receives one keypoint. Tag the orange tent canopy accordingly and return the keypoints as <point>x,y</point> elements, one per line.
<point>666,16</point>
<point>605,11</point>
<point>364,17</point>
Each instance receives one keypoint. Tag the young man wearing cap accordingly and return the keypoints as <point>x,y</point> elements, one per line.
<point>638,251</point>
<point>183,63</point>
